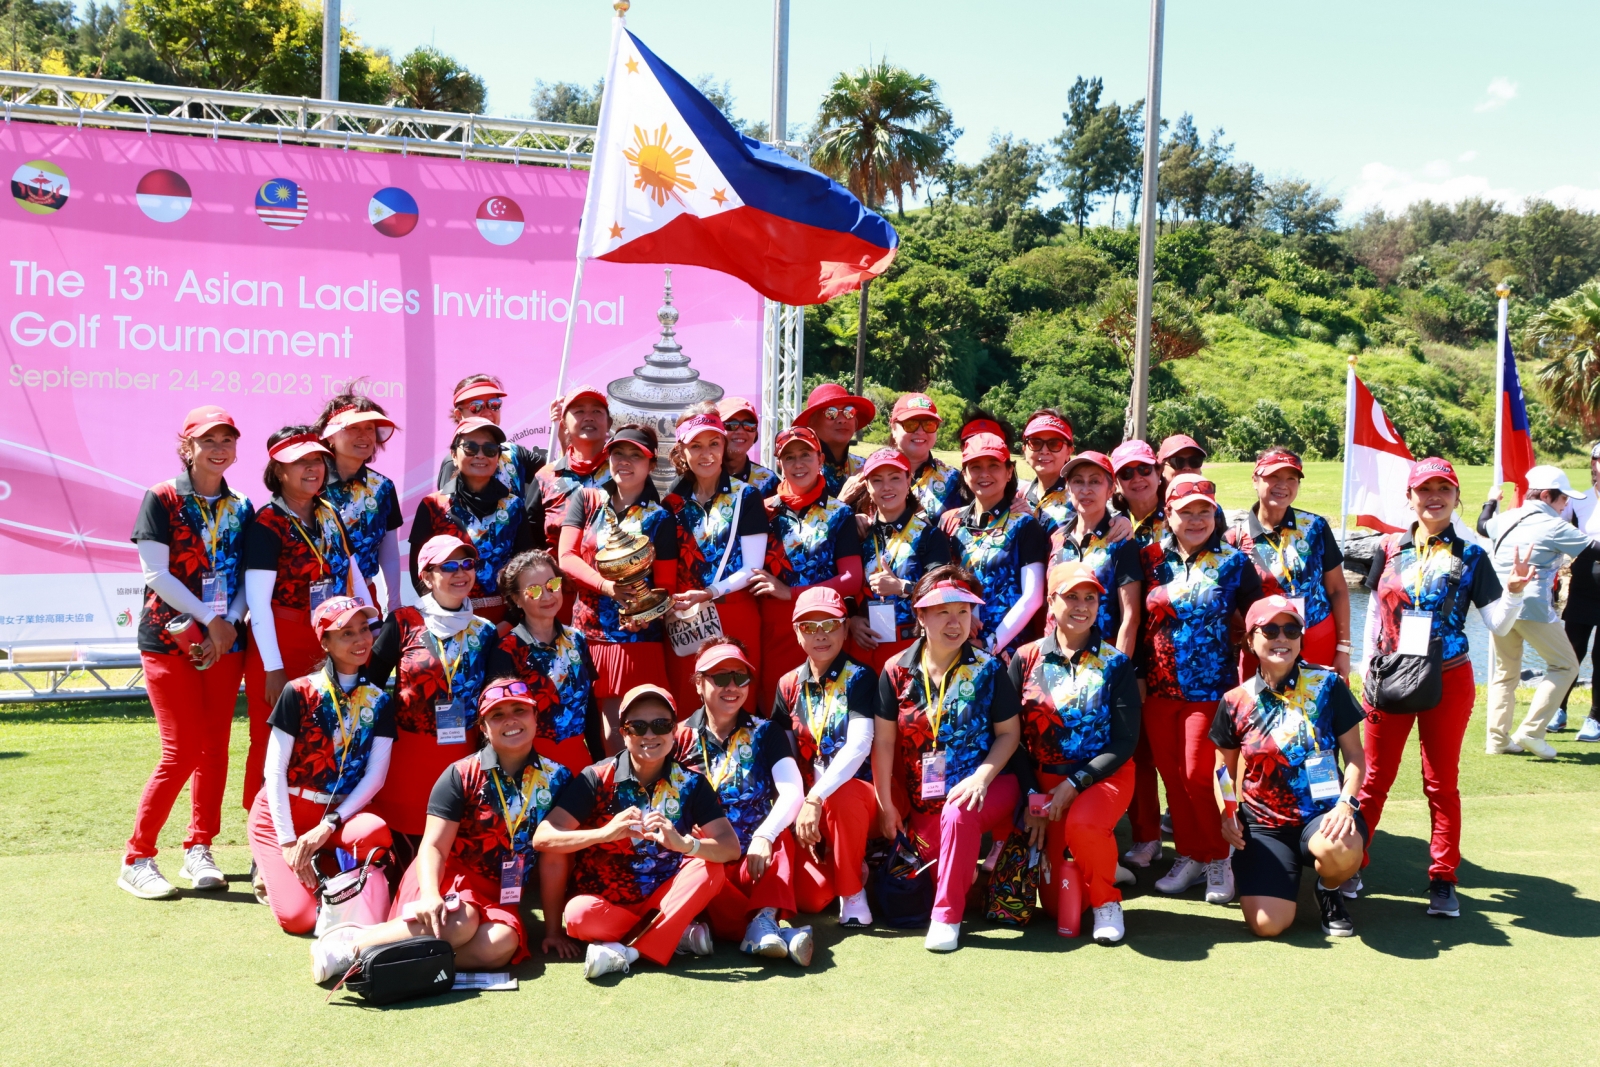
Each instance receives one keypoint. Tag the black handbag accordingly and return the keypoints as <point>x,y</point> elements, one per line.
<point>903,887</point>
<point>1408,684</point>
<point>403,970</point>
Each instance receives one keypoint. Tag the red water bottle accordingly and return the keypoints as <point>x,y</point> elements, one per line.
<point>1069,899</point>
<point>187,634</point>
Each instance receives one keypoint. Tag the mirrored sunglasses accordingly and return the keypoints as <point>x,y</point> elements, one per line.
<point>534,592</point>
<point>927,425</point>
<point>452,566</point>
<point>723,679</point>
<point>478,407</point>
<point>639,727</point>
<point>1139,470</point>
<point>1045,444</point>
<point>1290,630</point>
<point>846,412</point>
<point>819,626</point>
<point>472,448</point>
<point>739,424</point>
<point>513,689</point>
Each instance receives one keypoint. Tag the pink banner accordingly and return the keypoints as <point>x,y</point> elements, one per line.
<point>147,275</point>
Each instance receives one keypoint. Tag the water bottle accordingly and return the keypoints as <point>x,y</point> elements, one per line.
<point>1069,899</point>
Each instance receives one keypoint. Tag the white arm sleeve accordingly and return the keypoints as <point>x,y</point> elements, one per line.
<point>155,559</point>
<point>752,547</point>
<point>389,565</point>
<point>1500,615</point>
<point>791,794</point>
<point>848,760</point>
<point>1369,640</point>
<point>258,586</point>
<point>1025,607</point>
<point>358,583</point>
<point>237,609</point>
<point>371,782</point>
<point>279,746</point>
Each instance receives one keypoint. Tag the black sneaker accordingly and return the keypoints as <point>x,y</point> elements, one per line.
<point>1335,919</point>
<point>1442,899</point>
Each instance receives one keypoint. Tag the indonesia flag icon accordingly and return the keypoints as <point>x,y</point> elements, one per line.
<point>163,195</point>
<point>499,220</point>
<point>392,212</point>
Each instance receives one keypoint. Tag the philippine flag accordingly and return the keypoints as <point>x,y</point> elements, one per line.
<point>499,220</point>
<point>673,182</point>
<point>1378,463</point>
<point>1514,448</point>
<point>282,204</point>
<point>163,195</point>
<point>392,212</point>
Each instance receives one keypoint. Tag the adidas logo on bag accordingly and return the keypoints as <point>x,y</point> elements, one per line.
<point>441,977</point>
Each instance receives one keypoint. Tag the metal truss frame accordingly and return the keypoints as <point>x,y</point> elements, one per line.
<point>54,684</point>
<point>782,370</point>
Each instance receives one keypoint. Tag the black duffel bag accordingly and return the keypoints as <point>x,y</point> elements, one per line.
<point>404,970</point>
<point>1407,684</point>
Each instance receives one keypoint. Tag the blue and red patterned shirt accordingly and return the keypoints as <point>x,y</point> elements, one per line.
<point>706,529</point>
<point>739,769</point>
<point>936,487</point>
<point>1189,605</point>
<point>600,617</point>
<point>1115,563</point>
<point>564,665</point>
<point>908,548</point>
<point>819,711</point>
<point>485,803</point>
<point>432,670</point>
<point>995,546</point>
<point>1292,558</point>
<point>302,554</point>
<point>814,541</point>
<point>1080,710</point>
<point>1406,576</point>
<point>203,540</point>
<point>333,730</point>
<point>494,521</point>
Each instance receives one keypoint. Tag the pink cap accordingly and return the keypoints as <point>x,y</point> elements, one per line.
<point>476,391</point>
<point>202,420</point>
<point>1070,575</point>
<point>977,426</point>
<point>1432,467</point>
<point>915,406</point>
<point>984,444</point>
<point>1097,459</point>
<point>712,655</point>
<point>885,457</point>
<point>297,447</point>
<point>337,612</point>
<point>582,391</point>
<point>947,592</point>
<point>1268,608</point>
<point>441,547</point>
<point>730,406</point>
<point>1179,442</point>
<point>504,691</point>
<point>639,692</point>
<point>804,434</point>
<point>1188,487</point>
<point>1278,459</point>
<point>345,418</point>
<point>1040,425</point>
<point>819,600</point>
<point>1135,451</point>
<point>695,425</point>
<point>466,426</point>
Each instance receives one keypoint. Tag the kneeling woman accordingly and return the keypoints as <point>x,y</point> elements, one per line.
<point>951,727</point>
<point>477,853</point>
<point>1294,807</point>
<point>651,840</point>
<point>326,759</point>
<point>749,764</point>
<point>1080,722</point>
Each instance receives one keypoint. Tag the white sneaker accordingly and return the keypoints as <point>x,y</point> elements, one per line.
<point>942,937</point>
<point>1124,876</point>
<point>258,884</point>
<point>143,879</point>
<point>696,941</point>
<point>1510,748</point>
<point>607,957</point>
<point>1142,854</point>
<point>1185,873</point>
<point>761,937</point>
<point>799,943</point>
<point>1538,746</point>
<point>1351,887</point>
<point>1219,881</point>
<point>333,954</point>
<point>1108,928</point>
<point>201,870</point>
<point>854,910</point>
<point>1590,730</point>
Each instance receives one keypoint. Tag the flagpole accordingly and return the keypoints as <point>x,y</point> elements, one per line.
<point>1349,442</point>
<point>1502,291</point>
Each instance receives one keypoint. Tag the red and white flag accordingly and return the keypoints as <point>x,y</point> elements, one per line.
<point>1377,464</point>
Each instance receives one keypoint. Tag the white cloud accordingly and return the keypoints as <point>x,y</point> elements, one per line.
<point>1468,156</point>
<point>1501,91</point>
<point>1436,170</point>
<point>1393,190</point>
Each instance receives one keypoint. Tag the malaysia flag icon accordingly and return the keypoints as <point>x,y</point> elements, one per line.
<point>282,204</point>
<point>500,220</point>
<point>392,212</point>
<point>163,195</point>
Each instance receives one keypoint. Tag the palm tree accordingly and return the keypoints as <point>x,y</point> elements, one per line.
<point>880,131</point>
<point>1567,334</point>
<point>432,81</point>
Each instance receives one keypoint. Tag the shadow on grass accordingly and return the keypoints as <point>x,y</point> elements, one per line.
<point>12,755</point>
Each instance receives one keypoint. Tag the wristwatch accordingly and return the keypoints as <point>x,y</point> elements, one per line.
<point>333,820</point>
<point>694,846</point>
<point>1082,780</point>
<point>1352,802</point>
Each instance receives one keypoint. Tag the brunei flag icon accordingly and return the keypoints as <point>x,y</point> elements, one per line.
<point>163,195</point>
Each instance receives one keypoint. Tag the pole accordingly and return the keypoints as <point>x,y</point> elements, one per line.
<point>779,133</point>
<point>330,49</point>
<point>773,317</point>
<point>1502,291</point>
<point>1349,441</point>
<point>1139,402</point>
<point>861,335</point>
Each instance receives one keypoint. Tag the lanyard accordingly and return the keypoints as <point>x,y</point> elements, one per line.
<point>525,795</point>
<point>344,718</point>
<point>213,524</point>
<point>817,728</point>
<point>1278,544</point>
<point>730,758</point>
<point>1422,567</point>
<point>437,648</point>
<point>936,713</point>
<point>325,571</point>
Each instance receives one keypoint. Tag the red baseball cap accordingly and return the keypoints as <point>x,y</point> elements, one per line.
<point>345,418</point>
<point>1187,487</point>
<point>819,600</point>
<point>804,434</point>
<point>639,692</point>
<point>695,425</point>
<point>504,691</point>
<point>337,612</point>
<point>1135,451</point>
<point>297,447</point>
<point>1040,425</point>
<point>730,406</point>
<point>984,444</point>
<point>202,420</point>
<point>1098,459</point>
<point>582,391</point>
<point>1268,608</point>
<point>476,391</point>
<point>948,592</point>
<point>712,655</point>
<point>915,406</point>
<point>441,547</point>
<point>1179,442</point>
<point>886,457</point>
<point>466,426</point>
<point>1070,575</point>
<point>1279,459</point>
<point>1432,467</point>
<point>830,395</point>
<point>977,426</point>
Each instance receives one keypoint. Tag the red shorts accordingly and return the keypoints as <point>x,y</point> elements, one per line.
<point>473,890</point>
<point>415,763</point>
<point>620,667</point>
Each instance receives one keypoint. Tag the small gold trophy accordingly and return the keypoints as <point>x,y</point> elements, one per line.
<point>626,559</point>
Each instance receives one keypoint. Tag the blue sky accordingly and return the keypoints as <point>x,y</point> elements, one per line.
<point>1384,102</point>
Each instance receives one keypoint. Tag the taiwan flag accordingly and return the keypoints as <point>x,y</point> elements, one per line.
<point>673,182</point>
<point>1513,446</point>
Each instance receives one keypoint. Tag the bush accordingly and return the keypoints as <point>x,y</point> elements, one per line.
<point>1201,416</point>
<point>1257,313</point>
<point>1262,427</point>
<point>1320,427</point>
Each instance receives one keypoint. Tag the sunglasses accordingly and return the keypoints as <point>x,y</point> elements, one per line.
<point>846,412</point>
<point>639,727</point>
<point>740,424</point>
<point>451,566</point>
<point>1185,463</point>
<point>1140,470</point>
<point>472,448</point>
<point>924,425</point>
<point>1290,630</point>
<point>478,407</point>
<point>819,626</point>
<point>511,689</point>
<point>534,592</point>
<point>723,679</point>
<point>1045,444</point>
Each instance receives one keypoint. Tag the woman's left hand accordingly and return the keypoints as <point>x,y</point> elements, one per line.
<point>808,824</point>
<point>969,793</point>
<point>303,851</point>
<point>558,942</point>
<point>1061,797</point>
<point>763,583</point>
<point>1339,823</point>
<point>682,602</point>
<point>659,828</point>
<point>1522,570</point>
<point>1341,666</point>
<point>1037,826</point>
<point>757,856</point>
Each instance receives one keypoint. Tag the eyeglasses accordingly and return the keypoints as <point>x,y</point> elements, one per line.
<point>472,448</point>
<point>1180,462</point>
<point>510,689</point>
<point>1290,630</point>
<point>846,412</point>
<point>723,679</point>
<point>639,727</point>
<point>478,407</point>
<point>819,626</point>
<point>1045,444</point>
<point>1139,470</point>
<point>929,425</point>
<point>451,566</point>
<point>739,424</point>
<point>534,592</point>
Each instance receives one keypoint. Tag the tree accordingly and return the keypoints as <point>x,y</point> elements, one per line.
<point>429,80</point>
<point>1098,151</point>
<point>882,131</point>
<point>568,102</point>
<point>1001,189</point>
<point>1292,206</point>
<point>1567,334</point>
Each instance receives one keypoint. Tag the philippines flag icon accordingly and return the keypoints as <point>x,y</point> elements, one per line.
<point>499,220</point>
<point>392,212</point>
<point>282,204</point>
<point>163,195</point>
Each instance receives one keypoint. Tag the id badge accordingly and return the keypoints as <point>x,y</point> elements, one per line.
<point>818,768</point>
<point>214,594</point>
<point>1416,628</point>
<point>933,776</point>
<point>511,880</point>
<point>880,616</point>
<point>320,591</point>
<point>1299,603</point>
<point>1322,774</point>
<point>449,723</point>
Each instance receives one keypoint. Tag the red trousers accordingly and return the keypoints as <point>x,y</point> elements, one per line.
<point>954,835</point>
<point>780,651</point>
<point>676,902</point>
<point>1440,729</point>
<point>1318,647</point>
<point>848,817</point>
<point>1180,741</point>
<point>880,655</point>
<point>1144,814</point>
<point>742,896</point>
<point>194,716</point>
<point>573,753</point>
<point>741,618</point>
<point>293,905</point>
<point>301,652</point>
<point>1089,830</point>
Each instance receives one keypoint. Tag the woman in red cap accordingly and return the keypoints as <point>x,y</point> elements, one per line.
<point>296,555</point>
<point>1296,556</point>
<point>1278,739</point>
<point>914,429</point>
<point>1194,583</point>
<point>901,544</point>
<point>356,428</point>
<point>584,417</point>
<point>1047,446</point>
<point>752,769</point>
<point>1180,454</point>
<point>820,546</point>
<point>482,396</point>
<point>624,655</point>
<point>950,728</point>
<point>1080,721</point>
<point>477,854</point>
<point>834,414</point>
<point>1006,550</point>
<point>740,420</point>
<point>327,758</point>
<point>480,510</point>
<point>829,704</point>
<point>1422,583</point>
<point>722,546</point>
<point>190,537</point>
<point>441,651</point>
<point>1088,536</point>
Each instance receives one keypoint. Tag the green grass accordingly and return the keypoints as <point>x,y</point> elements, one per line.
<point>95,976</point>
